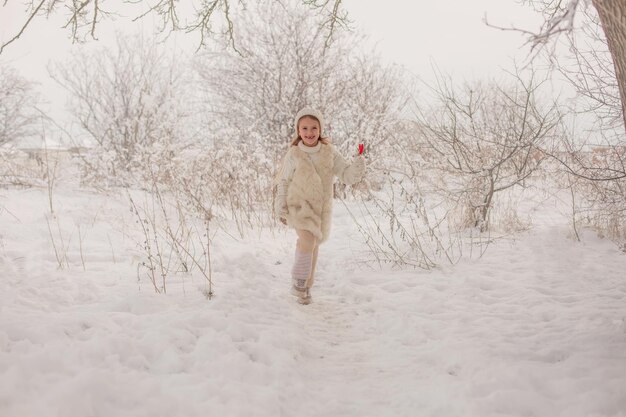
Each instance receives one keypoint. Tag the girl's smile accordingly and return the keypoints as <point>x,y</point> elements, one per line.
<point>309,130</point>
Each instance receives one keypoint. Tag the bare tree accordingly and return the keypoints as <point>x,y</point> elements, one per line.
<point>559,17</point>
<point>593,154</point>
<point>372,111</point>
<point>284,64</point>
<point>484,139</point>
<point>612,14</point>
<point>20,120</point>
<point>131,103</point>
<point>208,18</point>
<point>589,69</point>
<point>595,168</point>
<point>18,101</point>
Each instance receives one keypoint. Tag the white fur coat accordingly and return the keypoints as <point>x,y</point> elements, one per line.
<point>305,186</point>
<point>310,192</point>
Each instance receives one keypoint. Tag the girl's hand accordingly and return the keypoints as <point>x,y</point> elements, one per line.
<point>356,170</point>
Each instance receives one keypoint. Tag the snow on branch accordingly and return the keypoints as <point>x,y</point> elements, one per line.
<point>558,18</point>
<point>208,18</point>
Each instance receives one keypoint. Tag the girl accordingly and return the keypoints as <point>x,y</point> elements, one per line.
<point>305,193</point>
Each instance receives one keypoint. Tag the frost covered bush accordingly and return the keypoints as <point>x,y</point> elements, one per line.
<point>18,101</point>
<point>447,170</point>
<point>606,200</point>
<point>404,225</point>
<point>132,106</point>
<point>282,63</point>
<point>19,121</point>
<point>234,185</point>
<point>174,240</point>
<point>595,165</point>
<point>33,167</point>
<point>485,138</point>
<point>15,167</point>
<point>206,189</point>
<point>596,178</point>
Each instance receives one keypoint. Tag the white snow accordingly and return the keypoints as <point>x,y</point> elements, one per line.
<point>535,327</point>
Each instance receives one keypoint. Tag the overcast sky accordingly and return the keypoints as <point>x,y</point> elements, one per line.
<point>450,33</point>
<point>417,34</point>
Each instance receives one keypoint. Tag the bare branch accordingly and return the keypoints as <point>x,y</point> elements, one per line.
<point>30,18</point>
<point>336,17</point>
<point>95,19</point>
<point>486,138</point>
<point>167,10</point>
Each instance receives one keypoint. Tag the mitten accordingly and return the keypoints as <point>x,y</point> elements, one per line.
<point>356,170</point>
<point>359,167</point>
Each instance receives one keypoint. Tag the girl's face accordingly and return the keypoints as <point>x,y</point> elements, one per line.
<point>309,130</point>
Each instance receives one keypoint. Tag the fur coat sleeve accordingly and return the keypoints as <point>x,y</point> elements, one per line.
<point>287,170</point>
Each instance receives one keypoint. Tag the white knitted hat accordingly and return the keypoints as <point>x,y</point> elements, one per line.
<point>309,111</point>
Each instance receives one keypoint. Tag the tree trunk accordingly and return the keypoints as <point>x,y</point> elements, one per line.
<point>613,18</point>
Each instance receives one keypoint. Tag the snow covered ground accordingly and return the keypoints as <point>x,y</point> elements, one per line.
<point>536,327</point>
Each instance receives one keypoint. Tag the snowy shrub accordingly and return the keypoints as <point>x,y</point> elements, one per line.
<point>484,138</point>
<point>18,101</point>
<point>284,63</point>
<point>174,240</point>
<point>133,106</point>
<point>597,182</point>
<point>32,167</point>
<point>449,177</point>
<point>16,168</point>
<point>595,165</point>
<point>402,220</point>
<point>19,122</point>
<point>206,189</point>
<point>234,185</point>
<point>402,225</point>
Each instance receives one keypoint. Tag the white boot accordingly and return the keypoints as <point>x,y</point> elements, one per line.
<point>303,294</point>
